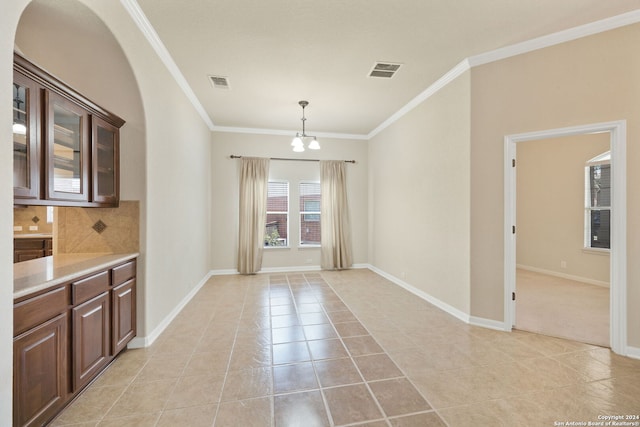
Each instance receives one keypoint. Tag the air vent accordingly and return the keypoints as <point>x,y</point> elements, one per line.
<point>219,82</point>
<point>384,69</point>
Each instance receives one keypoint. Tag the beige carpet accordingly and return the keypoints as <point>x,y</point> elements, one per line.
<point>562,308</point>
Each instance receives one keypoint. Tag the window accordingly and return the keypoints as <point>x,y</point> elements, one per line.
<point>597,218</point>
<point>309,213</point>
<point>277,225</point>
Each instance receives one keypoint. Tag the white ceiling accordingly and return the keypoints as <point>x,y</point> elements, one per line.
<point>277,52</point>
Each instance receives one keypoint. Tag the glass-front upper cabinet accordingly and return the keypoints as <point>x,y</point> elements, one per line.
<point>105,161</point>
<point>26,159</point>
<point>67,149</point>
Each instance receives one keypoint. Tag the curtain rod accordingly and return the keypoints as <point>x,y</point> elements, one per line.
<point>233,156</point>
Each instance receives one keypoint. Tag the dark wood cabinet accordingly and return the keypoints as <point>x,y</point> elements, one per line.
<point>66,147</point>
<point>124,315</point>
<point>64,337</point>
<point>25,249</point>
<point>105,161</point>
<point>91,339</point>
<point>26,137</point>
<point>123,303</point>
<point>40,372</point>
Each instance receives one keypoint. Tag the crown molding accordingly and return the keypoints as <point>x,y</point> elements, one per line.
<point>556,38</point>
<point>141,21</point>
<point>450,76</point>
<point>509,51</point>
<point>466,64</point>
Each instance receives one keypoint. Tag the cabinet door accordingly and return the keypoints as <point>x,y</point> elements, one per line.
<point>90,340</point>
<point>67,150</point>
<point>40,372</point>
<point>26,157</point>
<point>124,315</point>
<point>105,162</point>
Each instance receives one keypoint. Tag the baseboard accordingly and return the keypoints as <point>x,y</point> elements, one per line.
<point>633,352</point>
<point>226,272</point>
<point>564,276</point>
<point>146,341</point>
<point>489,324</point>
<point>421,294</point>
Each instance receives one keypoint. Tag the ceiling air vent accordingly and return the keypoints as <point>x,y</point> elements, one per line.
<point>384,69</point>
<point>219,82</point>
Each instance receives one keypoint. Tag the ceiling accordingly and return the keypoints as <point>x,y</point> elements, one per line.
<point>278,52</point>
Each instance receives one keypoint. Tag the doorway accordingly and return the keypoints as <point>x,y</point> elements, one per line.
<point>562,276</point>
<point>617,276</point>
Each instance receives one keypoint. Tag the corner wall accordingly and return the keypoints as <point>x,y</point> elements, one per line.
<point>419,196</point>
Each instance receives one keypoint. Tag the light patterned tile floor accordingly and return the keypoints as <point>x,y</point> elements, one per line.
<point>348,348</point>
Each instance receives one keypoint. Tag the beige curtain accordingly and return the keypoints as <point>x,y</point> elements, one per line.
<point>335,234</point>
<point>254,178</point>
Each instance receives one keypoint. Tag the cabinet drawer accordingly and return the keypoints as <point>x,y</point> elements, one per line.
<point>85,289</point>
<point>28,243</point>
<point>124,272</point>
<point>34,311</point>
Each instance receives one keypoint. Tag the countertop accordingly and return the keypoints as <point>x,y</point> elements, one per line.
<point>33,236</point>
<point>42,273</point>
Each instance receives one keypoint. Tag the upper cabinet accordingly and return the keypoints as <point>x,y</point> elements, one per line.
<point>26,154</point>
<point>66,148</point>
<point>105,160</point>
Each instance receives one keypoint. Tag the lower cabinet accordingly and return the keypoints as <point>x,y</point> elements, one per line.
<point>91,339</point>
<point>63,338</point>
<point>124,315</point>
<point>40,370</point>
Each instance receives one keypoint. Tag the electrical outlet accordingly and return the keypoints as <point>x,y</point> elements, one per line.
<point>563,264</point>
<point>17,228</point>
<point>33,228</point>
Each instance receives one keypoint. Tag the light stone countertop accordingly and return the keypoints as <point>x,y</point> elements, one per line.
<point>32,235</point>
<point>42,273</point>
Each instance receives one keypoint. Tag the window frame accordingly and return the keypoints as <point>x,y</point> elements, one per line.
<point>302,212</point>
<point>599,160</point>
<point>287,213</point>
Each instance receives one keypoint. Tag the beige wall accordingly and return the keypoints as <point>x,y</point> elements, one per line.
<point>419,196</point>
<point>590,80</point>
<point>225,187</point>
<point>8,22</point>
<point>550,194</point>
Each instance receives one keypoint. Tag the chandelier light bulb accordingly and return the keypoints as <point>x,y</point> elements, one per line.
<point>314,145</point>
<point>298,148</point>
<point>297,141</point>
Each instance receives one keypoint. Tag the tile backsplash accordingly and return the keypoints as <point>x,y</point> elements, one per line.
<point>82,230</point>
<point>27,217</point>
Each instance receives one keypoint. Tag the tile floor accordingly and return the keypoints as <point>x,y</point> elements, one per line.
<point>348,348</point>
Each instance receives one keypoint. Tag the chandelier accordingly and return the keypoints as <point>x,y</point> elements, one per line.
<point>300,138</point>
